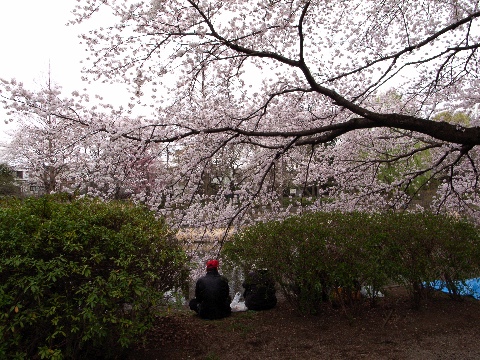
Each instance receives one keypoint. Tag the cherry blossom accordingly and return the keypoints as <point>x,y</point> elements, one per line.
<point>251,99</point>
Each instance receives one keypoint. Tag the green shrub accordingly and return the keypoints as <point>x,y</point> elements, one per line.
<point>310,256</point>
<point>81,279</point>
<point>424,247</point>
<point>327,256</point>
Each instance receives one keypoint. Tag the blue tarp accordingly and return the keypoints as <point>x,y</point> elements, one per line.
<point>469,287</point>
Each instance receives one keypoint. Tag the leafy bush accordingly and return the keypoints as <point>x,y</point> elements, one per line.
<point>327,256</point>
<point>423,247</point>
<point>81,279</point>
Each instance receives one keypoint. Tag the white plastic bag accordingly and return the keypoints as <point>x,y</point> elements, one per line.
<point>367,291</point>
<point>236,305</point>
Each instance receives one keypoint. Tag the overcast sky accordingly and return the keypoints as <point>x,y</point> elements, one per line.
<point>33,34</point>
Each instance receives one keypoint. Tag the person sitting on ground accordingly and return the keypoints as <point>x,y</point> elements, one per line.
<point>259,291</point>
<point>212,294</point>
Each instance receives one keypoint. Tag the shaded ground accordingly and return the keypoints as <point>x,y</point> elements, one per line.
<point>441,329</point>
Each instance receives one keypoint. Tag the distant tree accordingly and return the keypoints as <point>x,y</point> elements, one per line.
<point>63,152</point>
<point>44,142</point>
<point>8,185</point>
<point>460,118</point>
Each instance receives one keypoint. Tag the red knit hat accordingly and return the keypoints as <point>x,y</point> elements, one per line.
<point>212,264</point>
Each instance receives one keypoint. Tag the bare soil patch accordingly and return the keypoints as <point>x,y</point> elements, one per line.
<point>441,328</point>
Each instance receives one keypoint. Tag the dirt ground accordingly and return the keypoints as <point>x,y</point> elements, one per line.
<point>441,328</point>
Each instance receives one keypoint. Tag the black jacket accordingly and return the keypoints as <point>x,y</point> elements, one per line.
<point>213,295</point>
<point>259,291</point>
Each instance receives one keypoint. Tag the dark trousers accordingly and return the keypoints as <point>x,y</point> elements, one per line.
<point>193,304</point>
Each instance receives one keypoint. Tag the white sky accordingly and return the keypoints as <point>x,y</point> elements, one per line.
<point>33,34</point>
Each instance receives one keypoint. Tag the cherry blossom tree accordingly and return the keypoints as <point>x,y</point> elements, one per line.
<point>44,143</point>
<point>317,69</point>
<point>65,150</point>
<point>337,90</point>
